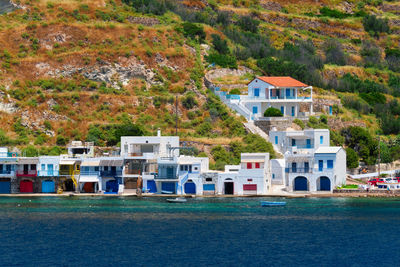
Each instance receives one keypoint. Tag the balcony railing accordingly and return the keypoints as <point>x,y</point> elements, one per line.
<point>111,173</point>
<point>30,173</point>
<point>65,172</point>
<point>135,154</point>
<point>302,147</point>
<point>90,173</point>
<point>298,170</point>
<point>6,172</point>
<point>48,173</point>
<point>132,172</point>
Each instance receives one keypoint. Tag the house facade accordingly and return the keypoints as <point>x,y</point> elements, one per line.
<point>8,163</point>
<point>310,163</point>
<point>250,177</point>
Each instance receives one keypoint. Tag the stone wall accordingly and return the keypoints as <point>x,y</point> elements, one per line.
<point>280,125</point>
<point>321,105</point>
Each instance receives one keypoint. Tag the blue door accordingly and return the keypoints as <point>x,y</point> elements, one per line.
<point>170,173</point>
<point>50,169</point>
<point>282,110</point>
<point>112,186</point>
<point>151,186</point>
<point>320,165</point>
<point>293,112</point>
<point>209,187</point>
<point>324,184</point>
<point>5,187</point>
<point>330,110</point>
<point>308,143</point>
<point>255,109</point>
<point>190,188</point>
<point>48,187</point>
<point>300,184</point>
<point>287,93</point>
<point>256,92</point>
<point>168,187</point>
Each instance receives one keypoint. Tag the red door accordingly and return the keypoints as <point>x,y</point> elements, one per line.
<point>26,186</point>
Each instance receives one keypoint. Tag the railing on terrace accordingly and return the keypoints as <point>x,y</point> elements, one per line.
<point>133,172</point>
<point>171,177</point>
<point>30,173</point>
<point>310,146</point>
<point>6,171</point>
<point>111,173</point>
<point>298,170</point>
<point>247,97</point>
<point>48,173</point>
<point>90,173</point>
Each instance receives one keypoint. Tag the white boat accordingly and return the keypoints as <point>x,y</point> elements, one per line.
<point>272,203</point>
<point>176,200</point>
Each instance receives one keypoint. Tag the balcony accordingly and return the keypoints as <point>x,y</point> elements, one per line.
<point>90,173</point>
<point>113,173</point>
<point>23,173</point>
<point>48,173</point>
<point>298,170</point>
<point>6,172</point>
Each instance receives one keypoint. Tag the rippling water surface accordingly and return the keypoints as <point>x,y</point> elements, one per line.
<point>104,231</point>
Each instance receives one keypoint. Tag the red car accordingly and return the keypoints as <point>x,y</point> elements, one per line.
<point>374,181</point>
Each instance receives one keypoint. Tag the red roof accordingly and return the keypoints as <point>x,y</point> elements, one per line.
<point>282,81</point>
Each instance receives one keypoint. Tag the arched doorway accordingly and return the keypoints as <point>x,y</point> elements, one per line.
<point>190,187</point>
<point>323,184</point>
<point>26,186</point>
<point>228,187</point>
<point>300,184</point>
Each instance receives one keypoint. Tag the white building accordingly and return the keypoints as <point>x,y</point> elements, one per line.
<point>283,93</point>
<point>310,163</point>
<point>141,154</point>
<point>251,177</point>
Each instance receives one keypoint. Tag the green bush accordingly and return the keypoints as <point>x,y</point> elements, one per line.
<point>225,61</point>
<point>272,112</point>
<point>220,45</point>
<point>194,31</point>
<point>333,13</point>
<point>374,25</point>
<point>234,92</point>
<point>189,101</point>
<point>352,160</point>
<point>299,123</point>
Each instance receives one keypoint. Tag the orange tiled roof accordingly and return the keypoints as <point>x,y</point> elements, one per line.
<point>282,81</point>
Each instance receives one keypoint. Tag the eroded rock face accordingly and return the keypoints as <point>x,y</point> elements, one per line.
<point>271,5</point>
<point>109,73</point>
<point>143,20</point>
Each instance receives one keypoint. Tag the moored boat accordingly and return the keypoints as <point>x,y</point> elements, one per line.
<point>272,203</point>
<point>176,200</point>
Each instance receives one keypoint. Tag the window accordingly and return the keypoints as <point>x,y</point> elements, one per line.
<point>257,165</point>
<point>8,168</point>
<point>96,169</point>
<point>293,142</point>
<point>320,165</point>
<point>321,139</point>
<point>33,167</point>
<point>249,165</point>
<point>249,180</point>
<point>126,148</point>
<point>256,92</point>
<point>43,167</point>
<point>276,140</point>
<point>306,167</point>
<point>283,110</point>
<point>181,168</point>
<point>195,168</point>
<point>106,168</point>
<point>255,109</point>
<point>273,176</point>
<point>293,112</point>
<point>330,164</point>
<point>208,179</point>
<point>294,167</point>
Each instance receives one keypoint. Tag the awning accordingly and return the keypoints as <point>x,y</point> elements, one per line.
<point>111,162</point>
<point>89,179</point>
<point>94,163</point>
<point>67,162</point>
<point>28,161</point>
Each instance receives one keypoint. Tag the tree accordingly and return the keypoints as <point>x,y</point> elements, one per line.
<point>334,52</point>
<point>189,101</point>
<point>352,160</point>
<point>392,57</point>
<point>248,24</point>
<point>272,112</point>
<point>374,25</point>
<point>386,157</point>
<point>371,54</point>
<point>193,30</point>
<point>362,142</point>
<point>220,45</point>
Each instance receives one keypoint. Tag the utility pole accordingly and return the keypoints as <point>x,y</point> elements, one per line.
<point>176,116</point>
<point>379,156</point>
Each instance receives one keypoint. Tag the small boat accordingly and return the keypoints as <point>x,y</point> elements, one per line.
<point>176,200</point>
<point>167,192</point>
<point>272,203</point>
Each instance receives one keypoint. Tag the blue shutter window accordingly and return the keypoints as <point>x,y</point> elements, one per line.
<point>330,164</point>
<point>276,140</point>
<point>320,165</point>
<point>321,139</point>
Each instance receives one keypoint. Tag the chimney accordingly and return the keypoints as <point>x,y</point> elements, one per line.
<point>159,132</point>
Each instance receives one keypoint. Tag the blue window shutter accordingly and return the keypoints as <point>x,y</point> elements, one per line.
<point>320,165</point>
<point>330,164</point>
<point>276,140</point>
<point>321,139</point>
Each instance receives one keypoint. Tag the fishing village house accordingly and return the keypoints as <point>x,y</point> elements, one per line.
<point>250,177</point>
<point>8,161</point>
<point>48,172</point>
<point>310,163</point>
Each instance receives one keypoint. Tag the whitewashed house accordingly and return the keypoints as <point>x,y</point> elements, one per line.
<point>310,163</point>
<point>251,177</point>
<point>141,154</point>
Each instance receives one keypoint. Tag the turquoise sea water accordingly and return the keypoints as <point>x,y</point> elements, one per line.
<point>104,231</point>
